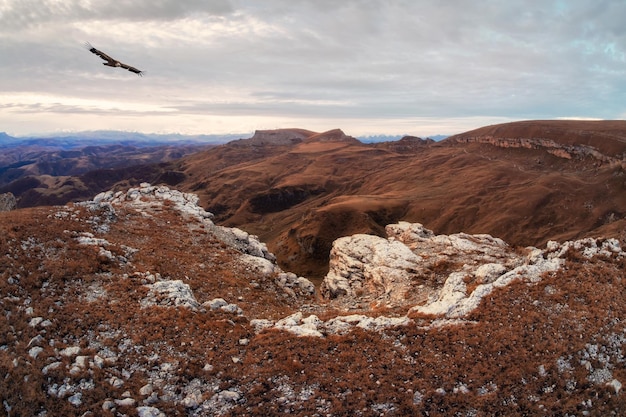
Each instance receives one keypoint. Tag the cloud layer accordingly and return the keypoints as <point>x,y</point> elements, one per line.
<point>367,66</point>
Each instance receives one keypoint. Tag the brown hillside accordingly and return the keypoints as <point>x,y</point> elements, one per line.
<point>301,197</point>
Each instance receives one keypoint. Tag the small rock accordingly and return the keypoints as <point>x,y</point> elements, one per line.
<point>116,382</point>
<point>616,385</point>
<point>76,399</point>
<point>34,322</point>
<point>232,308</point>
<point>126,402</point>
<point>149,412</point>
<point>35,340</point>
<point>34,352</point>
<point>192,400</point>
<point>261,324</point>
<point>70,351</point>
<point>98,361</point>
<point>229,396</point>
<point>215,304</point>
<point>81,361</point>
<point>108,405</point>
<point>152,399</point>
<point>51,367</point>
<point>146,390</point>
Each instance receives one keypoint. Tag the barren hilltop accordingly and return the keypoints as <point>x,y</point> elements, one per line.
<point>310,274</point>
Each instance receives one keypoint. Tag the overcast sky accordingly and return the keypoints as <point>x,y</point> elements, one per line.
<point>418,67</point>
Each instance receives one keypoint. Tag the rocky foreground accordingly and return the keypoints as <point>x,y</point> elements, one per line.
<point>136,303</point>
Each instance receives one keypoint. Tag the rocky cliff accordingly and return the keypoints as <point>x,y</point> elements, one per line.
<point>603,141</point>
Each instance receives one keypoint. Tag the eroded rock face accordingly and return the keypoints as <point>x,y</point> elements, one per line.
<point>369,266</point>
<point>411,265</point>
<point>440,275</point>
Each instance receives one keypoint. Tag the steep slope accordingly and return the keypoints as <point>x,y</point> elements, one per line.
<point>137,304</point>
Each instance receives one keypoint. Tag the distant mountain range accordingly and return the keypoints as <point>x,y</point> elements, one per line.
<point>104,137</point>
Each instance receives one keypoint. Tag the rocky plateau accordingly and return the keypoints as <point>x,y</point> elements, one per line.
<point>136,303</point>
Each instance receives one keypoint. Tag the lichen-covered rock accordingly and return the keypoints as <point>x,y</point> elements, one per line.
<point>170,293</point>
<point>454,272</point>
<point>7,202</point>
<point>369,266</point>
<point>293,285</point>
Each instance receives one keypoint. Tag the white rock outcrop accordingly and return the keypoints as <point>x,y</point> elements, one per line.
<point>458,270</point>
<point>369,265</point>
<point>147,195</point>
<point>313,326</point>
<point>170,293</point>
<point>146,198</point>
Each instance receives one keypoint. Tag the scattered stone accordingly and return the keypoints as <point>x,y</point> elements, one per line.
<point>215,304</point>
<point>51,367</point>
<point>76,399</point>
<point>34,352</point>
<point>70,351</point>
<point>192,400</point>
<point>108,405</point>
<point>170,293</point>
<point>35,321</point>
<point>126,402</point>
<point>293,285</point>
<point>146,411</point>
<point>616,385</point>
<point>116,382</point>
<point>146,390</point>
<point>230,396</point>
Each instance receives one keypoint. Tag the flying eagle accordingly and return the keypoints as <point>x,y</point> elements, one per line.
<point>111,62</point>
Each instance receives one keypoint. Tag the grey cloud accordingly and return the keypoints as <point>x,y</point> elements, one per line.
<point>325,58</point>
<point>20,14</point>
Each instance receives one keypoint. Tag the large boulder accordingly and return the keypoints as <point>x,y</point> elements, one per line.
<point>370,267</point>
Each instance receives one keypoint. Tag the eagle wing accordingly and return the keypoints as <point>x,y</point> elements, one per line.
<point>131,69</point>
<point>100,54</point>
